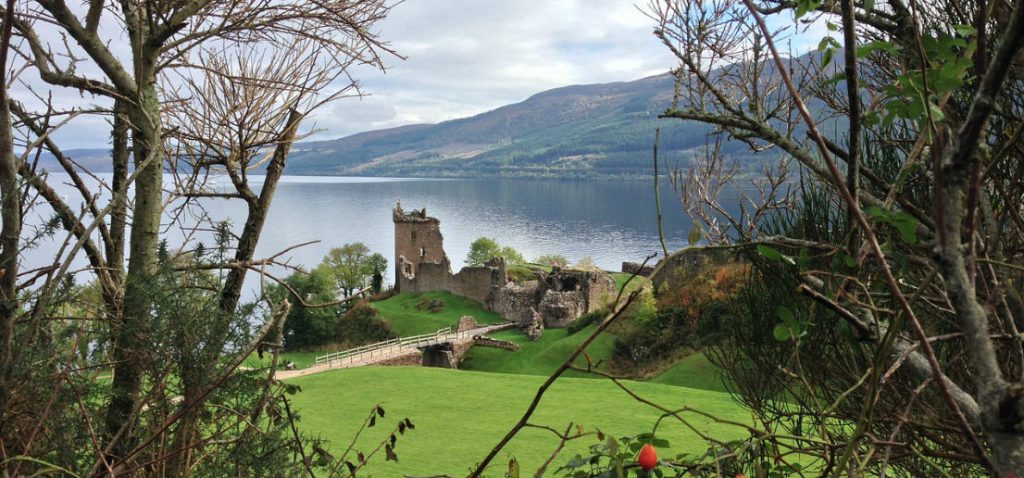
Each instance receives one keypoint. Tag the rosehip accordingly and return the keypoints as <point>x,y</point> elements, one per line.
<point>648,457</point>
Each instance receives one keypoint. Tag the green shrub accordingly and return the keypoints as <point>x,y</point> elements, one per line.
<point>362,324</point>
<point>584,320</point>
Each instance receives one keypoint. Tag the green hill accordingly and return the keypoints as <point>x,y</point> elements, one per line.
<point>426,312</point>
<point>541,357</point>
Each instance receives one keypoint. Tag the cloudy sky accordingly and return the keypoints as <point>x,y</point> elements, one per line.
<point>469,56</point>
<point>466,57</point>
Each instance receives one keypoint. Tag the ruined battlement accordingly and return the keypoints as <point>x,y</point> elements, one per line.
<point>416,215</point>
<point>557,298</point>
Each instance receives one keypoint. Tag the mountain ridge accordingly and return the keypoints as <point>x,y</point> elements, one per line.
<point>598,130</point>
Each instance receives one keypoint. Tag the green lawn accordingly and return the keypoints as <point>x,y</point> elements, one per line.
<point>460,415</point>
<point>407,319</point>
<point>620,279</point>
<point>540,357</point>
<point>694,371</point>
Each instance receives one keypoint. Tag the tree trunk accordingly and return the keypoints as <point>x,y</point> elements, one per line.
<point>131,334</point>
<point>10,230</point>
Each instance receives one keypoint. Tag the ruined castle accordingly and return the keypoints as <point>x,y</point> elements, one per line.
<point>550,300</point>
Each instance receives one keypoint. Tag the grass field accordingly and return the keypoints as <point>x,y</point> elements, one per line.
<point>461,415</point>
<point>540,357</point>
<point>408,314</point>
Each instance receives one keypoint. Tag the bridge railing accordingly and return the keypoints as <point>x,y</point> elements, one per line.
<point>386,346</point>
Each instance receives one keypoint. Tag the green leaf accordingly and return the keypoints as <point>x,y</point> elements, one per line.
<point>871,47</point>
<point>781,332</point>
<point>803,259</point>
<point>826,59</point>
<point>937,114</point>
<point>769,253</point>
<point>965,30</point>
<point>773,254</point>
<point>695,234</point>
<point>785,314</point>
<point>804,6</point>
<point>906,225</point>
<point>513,468</point>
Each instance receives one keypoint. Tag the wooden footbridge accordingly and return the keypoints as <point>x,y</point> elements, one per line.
<point>391,349</point>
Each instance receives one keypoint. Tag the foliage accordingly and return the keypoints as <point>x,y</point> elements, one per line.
<point>484,249</point>
<point>552,260</point>
<point>883,239</point>
<point>586,320</point>
<point>309,326</point>
<point>189,90</point>
<point>586,264</point>
<point>354,267</point>
<point>362,324</point>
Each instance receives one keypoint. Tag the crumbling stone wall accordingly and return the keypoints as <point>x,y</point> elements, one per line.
<point>515,301</point>
<point>477,283</point>
<point>637,268</point>
<point>407,360</point>
<point>560,297</point>
<point>496,343</point>
<point>559,309</point>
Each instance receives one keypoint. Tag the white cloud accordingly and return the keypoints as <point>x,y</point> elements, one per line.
<point>469,56</point>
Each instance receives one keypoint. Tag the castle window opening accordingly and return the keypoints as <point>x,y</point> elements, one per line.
<point>423,252</point>
<point>414,235</point>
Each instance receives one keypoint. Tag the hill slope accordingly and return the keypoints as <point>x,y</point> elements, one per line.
<point>574,131</point>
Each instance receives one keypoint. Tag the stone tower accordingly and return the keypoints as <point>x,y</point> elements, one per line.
<point>417,239</point>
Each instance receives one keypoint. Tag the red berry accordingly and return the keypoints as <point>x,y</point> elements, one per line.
<point>741,475</point>
<point>648,458</point>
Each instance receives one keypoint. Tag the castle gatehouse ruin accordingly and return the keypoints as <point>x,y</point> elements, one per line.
<point>551,300</point>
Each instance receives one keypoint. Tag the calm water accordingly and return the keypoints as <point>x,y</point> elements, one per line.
<point>609,221</point>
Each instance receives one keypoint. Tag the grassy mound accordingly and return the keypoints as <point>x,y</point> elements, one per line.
<point>414,314</point>
<point>541,357</point>
<point>694,371</point>
<point>459,416</point>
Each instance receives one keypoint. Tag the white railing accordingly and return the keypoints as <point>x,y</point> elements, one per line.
<point>390,346</point>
